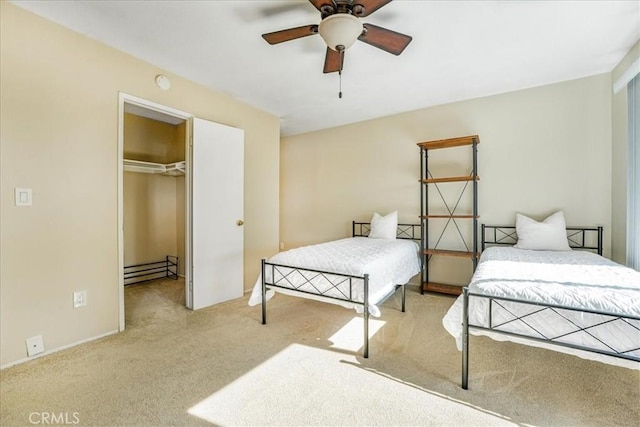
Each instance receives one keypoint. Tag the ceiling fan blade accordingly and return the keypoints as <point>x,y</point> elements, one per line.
<point>384,39</point>
<point>333,61</point>
<point>370,6</point>
<point>290,34</point>
<point>319,3</point>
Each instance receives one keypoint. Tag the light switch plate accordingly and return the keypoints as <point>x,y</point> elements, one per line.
<point>23,197</point>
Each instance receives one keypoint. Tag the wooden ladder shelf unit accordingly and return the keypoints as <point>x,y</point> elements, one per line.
<point>426,180</point>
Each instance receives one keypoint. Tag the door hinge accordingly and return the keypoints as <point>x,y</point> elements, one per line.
<point>191,141</point>
<point>191,286</point>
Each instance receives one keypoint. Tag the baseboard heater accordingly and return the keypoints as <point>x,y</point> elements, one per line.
<point>139,273</point>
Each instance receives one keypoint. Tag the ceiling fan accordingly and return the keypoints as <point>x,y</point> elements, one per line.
<point>340,27</point>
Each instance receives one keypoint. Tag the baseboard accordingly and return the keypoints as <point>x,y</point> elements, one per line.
<point>55,350</point>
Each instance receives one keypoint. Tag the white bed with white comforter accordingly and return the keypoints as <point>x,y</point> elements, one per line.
<point>581,280</point>
<point>387,262</point>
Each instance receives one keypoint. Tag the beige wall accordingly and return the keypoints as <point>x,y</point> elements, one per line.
<point>59,105</point>
<point>151,140</point>
<point>541,149</point>
<point>150,217</point>
<point>619,127</point>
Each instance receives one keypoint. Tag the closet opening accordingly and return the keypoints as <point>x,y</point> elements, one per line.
<point>153,213</point>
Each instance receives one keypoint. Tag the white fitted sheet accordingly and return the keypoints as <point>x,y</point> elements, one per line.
<point>388,263</point>
<point>576,279</point>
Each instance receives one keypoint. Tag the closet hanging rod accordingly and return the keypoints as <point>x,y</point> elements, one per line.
<point>176,168</point>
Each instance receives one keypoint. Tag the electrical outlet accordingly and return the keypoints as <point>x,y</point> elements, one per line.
<point>35,345</point>
<point>281,245</point>
<point>79,299</point>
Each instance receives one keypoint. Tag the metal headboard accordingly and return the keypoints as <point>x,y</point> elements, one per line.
<point>404,231</point>
<point>584,238</point>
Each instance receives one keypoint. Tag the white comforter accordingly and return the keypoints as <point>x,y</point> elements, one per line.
<point>388,263</point>
<point>569,278</point>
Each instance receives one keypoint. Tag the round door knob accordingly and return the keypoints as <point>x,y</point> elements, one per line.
<point>239,222</point>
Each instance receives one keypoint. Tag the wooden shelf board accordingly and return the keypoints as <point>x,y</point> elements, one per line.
<point>449,143</point>
<point>446,252</point>
<point>442,288</point>
<point>450,179</point>
<point>451,216</point>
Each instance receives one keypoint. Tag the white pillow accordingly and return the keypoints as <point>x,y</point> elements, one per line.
<point>384,227</point>
<point>548,235</point>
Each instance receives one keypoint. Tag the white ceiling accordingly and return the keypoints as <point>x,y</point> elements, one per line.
<point>460,50</point>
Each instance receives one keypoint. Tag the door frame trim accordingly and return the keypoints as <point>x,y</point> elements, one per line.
<point>124,98</point>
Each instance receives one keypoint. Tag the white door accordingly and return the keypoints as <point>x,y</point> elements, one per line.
<point>217,207</point>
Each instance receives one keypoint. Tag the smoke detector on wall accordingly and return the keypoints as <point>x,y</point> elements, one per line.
<point>163,82</point>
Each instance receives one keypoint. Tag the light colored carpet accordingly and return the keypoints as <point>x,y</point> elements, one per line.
<point>221,366</point>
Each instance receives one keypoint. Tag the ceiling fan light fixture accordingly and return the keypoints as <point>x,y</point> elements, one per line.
<point>340,29</point>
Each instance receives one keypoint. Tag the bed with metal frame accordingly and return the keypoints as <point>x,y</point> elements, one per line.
<point>341,287</point>
<point>580,238</point>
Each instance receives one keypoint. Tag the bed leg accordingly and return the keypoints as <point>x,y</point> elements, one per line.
<point>404,296</point>
<point>366,316</point>
<point>264,295</point>
<point>465,338</point>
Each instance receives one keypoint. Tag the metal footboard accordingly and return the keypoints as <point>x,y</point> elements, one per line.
<point>326,284</point>
<point>494,327</point>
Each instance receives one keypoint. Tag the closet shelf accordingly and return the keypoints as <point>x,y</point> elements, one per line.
<point>172,169</point>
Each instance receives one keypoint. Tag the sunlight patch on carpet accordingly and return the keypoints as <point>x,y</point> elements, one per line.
<point>304,385</point>
<point>351,336</point>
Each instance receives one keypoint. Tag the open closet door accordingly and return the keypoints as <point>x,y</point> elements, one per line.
<point>217,207</point>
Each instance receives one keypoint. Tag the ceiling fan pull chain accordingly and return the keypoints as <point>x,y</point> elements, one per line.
<point>341,51</point>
